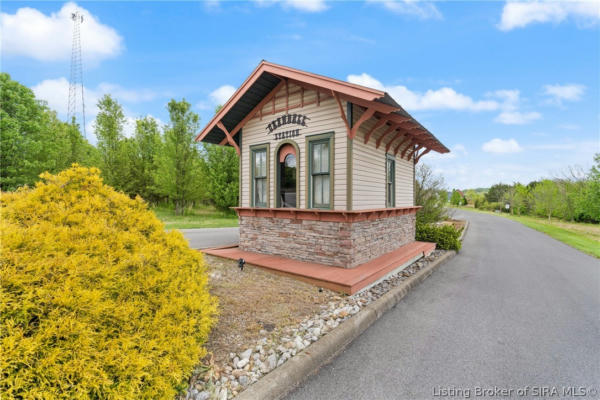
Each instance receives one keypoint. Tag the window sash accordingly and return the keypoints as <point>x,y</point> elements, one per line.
<point>390,192</point>
<point>259,175</point>
<point>320,173</point>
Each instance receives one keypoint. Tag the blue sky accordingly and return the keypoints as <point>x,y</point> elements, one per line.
<point>512,88</point>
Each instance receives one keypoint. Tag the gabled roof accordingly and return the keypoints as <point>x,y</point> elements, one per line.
<point>234,114</point>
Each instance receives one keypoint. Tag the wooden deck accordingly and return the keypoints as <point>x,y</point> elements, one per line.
<point>346,280</point>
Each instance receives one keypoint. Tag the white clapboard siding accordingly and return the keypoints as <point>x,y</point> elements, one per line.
<point>368,169</point>
<point>323,118</point>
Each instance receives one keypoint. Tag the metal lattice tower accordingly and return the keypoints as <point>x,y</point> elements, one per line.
<point>76,80</point>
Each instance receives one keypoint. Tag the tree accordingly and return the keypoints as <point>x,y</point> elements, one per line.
<point>521,199</point>
<point>456,199</point>
<point>220,170</point>
<point>587,204</point>
<point>109,131</point>
<point>32,139</point>
<point>430,195</point>
<point>143,152</point>
<point>546,198</point>
<point>177,174</point>
<point>496,193</point>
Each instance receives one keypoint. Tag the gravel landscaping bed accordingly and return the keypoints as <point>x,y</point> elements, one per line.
<point>232,373</point>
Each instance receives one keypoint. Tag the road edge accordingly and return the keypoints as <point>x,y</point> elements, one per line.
<point>288,376</point>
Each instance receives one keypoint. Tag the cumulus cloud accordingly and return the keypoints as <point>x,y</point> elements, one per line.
<point>559,93</point>
<point>444,98</point>
<point>500,146</point>
<point>517,117</point>
<point>420,9</point>
<point>30,33</point>
<point>56,93</point>
<point>220,95</point>
<point>520,14</point>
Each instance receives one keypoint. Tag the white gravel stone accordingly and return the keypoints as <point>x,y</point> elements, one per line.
<point>242,363</point>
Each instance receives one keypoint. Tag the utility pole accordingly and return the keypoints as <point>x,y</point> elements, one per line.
<point>76,79</point>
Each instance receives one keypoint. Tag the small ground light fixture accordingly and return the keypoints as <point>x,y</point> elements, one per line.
<point>241,263</point>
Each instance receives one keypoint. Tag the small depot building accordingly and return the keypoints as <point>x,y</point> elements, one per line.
<point>326,175</point>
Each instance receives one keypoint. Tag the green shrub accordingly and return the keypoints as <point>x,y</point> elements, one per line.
<point>97,300</point>
<point>445,236</point>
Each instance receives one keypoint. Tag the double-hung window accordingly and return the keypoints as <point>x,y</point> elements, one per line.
<point>390,181</point>
<point>260,180</point>
<point>320,172</point>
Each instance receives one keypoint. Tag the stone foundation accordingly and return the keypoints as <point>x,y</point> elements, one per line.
<point>342,239</point>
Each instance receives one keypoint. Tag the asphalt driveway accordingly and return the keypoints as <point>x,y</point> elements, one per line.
<point>514,309</point>
<point>211,237</point>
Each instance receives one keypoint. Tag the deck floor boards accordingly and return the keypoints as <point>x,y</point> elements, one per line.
<point>346,280</point>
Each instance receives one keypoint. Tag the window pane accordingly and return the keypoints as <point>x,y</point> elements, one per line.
<point>316,154</point>
<point>325,200</point>
<point>324,157</point>
<point>318,190</point>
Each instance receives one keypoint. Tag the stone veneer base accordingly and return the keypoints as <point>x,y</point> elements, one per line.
<point>337,238</point>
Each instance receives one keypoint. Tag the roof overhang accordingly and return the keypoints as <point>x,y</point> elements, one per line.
<point>259,87</point>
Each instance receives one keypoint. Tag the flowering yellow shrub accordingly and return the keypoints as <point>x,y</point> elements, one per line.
<point>97,300</point>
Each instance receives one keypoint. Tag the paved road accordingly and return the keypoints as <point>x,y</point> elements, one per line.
<point>211,237</point>
<point>514,308</point>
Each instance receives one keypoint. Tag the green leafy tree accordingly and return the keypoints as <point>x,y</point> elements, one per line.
<point>521,200</point>
<point>143,150</point>
<point>178,164</point>
<point>430,195</point>
<point>496,193</point>
<point>546,197</point>
<point>456,199</point>
<point>220,170</point>
<point>587,205</point>
<point>32,139</point>
<point>109,131</point>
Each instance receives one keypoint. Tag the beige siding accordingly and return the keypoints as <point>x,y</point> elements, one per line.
<point>368,169</point>
<point>323,118</point>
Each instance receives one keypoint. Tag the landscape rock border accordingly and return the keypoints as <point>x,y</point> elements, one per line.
<point>289,375</point>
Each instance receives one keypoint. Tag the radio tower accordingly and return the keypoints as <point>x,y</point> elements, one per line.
<point>76,80</point>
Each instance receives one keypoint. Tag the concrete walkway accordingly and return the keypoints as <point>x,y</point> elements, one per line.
<point>211,237</point>
<point>515,308</point>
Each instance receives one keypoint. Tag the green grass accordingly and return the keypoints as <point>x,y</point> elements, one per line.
<point>201,217</point>
<point>582,236</point>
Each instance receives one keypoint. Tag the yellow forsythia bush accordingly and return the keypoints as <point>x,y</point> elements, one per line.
<point>97,300</point>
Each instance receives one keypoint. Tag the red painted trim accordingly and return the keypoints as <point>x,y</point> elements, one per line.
<point>325,215</point>
<point>387,132</point>
<point>229,138</point>
<point>363,118</point>
<point>363,96</point>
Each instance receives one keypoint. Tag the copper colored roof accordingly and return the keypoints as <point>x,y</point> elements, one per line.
<point>226,123</point>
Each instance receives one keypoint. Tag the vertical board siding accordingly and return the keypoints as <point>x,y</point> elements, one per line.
<point>323,118</point>
<point>368,184</point>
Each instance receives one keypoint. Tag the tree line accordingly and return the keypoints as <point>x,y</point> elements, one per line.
<point>161,164</point>
<point>575,196</point>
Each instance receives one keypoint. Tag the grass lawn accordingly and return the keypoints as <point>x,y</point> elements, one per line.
<point>582,236</point>
<point>203,217</point>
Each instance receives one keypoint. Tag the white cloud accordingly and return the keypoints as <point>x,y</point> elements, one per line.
<point>220,95</point>
<point>33,34</point>
<point>302,5</point>
<point>458,150</point>
<point>521,14</point>
<point>517,117</point>
<point>501,146</point>
<point>444,98</point>
<point>56,93</point>
<point>420,9</point>
<point>367,80</point>
<point>306,5</point>
<point>569,92</point>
